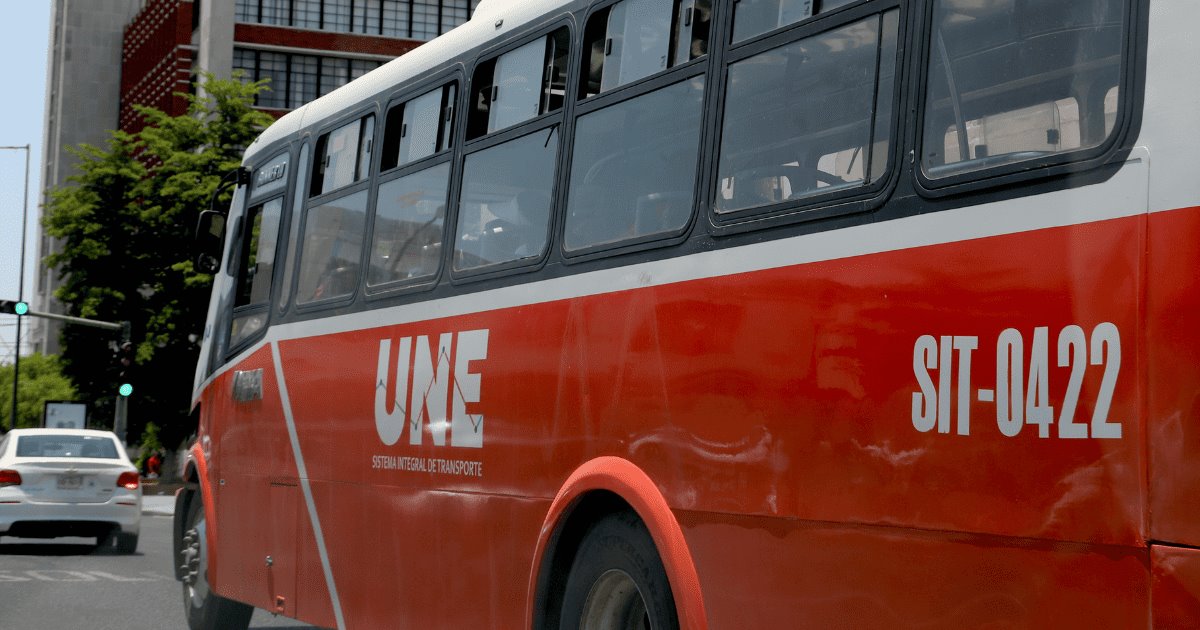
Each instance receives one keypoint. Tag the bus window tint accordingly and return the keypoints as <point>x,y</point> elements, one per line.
<point>293,230</point>
<point>754,17</point>
<point>520,84</point>
<point>329,257</point>
<point>409,213</point>
<point>343,156</point>
<point>633,171</point>
<point>808,117</point>
<point>1007,84</point>
<point>634,39</point>
<point>504,212</point>
<point>419,128</point>
<point>256,264</point>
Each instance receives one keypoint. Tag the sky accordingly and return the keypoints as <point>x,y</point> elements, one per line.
<point>24,40</point>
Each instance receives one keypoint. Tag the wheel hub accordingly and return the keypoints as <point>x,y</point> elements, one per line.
<point>614,603</point>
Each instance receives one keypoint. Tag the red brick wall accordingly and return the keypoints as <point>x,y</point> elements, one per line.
<point>156,60</point>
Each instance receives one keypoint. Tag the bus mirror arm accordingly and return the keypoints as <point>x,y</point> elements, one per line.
<point>210,228</point>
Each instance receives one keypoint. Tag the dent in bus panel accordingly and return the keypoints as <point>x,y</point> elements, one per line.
<point>329,257</point>
<point>633,172</point>
<point>504,211</point>
<point>409,213</point>
<point>754,17</point>
<point>808,118</point>
<point>1013,81</point>
<point>634,39</point>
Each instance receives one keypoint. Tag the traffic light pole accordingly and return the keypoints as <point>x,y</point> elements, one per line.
<point>20,286</point>
<point>122,327</point>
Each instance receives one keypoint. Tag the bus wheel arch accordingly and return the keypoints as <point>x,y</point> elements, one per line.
<point>604,487</point>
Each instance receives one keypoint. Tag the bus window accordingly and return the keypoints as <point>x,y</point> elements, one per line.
<point>754,17</point>
<point>809,117</point>
<point>293,230</point>
<point>504,211</point>
<point>634,39</point>
<point>1008,83</point>
<point>256,263</point>
<point>1046,127</point>
<point>520,84</point>
<point>634,167</point>
<point>343,156</point>
<point>409,213</point>
<point>332,248</point>
<point>419,128</point>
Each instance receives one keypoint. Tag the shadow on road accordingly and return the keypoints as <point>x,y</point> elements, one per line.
<point>57,549</point>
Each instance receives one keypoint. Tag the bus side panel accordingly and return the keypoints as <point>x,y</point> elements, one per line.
<point>792,392</point>
<point>402,552</point>
<point>772,573</point>
<point>260,508</point>
<point>1173,378</point>
<point>1176,587</point>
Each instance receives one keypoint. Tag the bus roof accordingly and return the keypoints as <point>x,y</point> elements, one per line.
<point>492,18</point>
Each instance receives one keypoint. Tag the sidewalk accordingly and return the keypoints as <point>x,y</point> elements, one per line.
<point>158,505</point>
<point>158,498</point>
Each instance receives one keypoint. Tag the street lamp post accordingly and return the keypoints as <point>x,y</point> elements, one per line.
<point>20,285</point>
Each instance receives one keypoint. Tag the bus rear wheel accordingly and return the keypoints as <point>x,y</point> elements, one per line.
<point>617,581</point>
<point>205,609</point>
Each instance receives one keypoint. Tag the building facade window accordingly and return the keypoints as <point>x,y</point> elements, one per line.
<point>296,79</point>
<point>410,19</point>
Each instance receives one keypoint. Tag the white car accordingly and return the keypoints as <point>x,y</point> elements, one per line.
<point>69,482</point>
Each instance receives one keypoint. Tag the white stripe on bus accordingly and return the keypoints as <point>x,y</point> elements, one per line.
<point>302,472</point>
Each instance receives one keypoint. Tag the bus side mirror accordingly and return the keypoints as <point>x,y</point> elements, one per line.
<point>210,241</point>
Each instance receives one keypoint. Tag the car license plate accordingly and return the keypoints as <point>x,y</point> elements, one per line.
<point>70,482</point>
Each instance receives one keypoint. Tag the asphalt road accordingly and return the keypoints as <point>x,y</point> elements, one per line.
<point>68,584</point>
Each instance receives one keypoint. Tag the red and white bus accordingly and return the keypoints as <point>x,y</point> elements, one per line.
<point>714,314</point>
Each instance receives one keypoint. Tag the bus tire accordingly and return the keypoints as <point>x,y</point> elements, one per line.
<point>617,580</point>
<point>205,610</point>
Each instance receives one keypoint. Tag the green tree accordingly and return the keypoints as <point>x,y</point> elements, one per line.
<point>41,380</point>
<point>127,221</point>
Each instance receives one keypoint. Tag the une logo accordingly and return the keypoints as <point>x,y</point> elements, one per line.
<point>425,385</point>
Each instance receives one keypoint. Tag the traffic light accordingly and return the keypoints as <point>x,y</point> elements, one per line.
<point>124,357</point>
<point>14,307</point>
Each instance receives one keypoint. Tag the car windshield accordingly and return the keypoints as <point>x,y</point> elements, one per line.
<point>66,446</point>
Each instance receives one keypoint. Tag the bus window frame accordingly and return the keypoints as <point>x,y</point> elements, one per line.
<point>1113,150</point>
<point>252,201</point>
<point>292,214</point>
<point>836,203</point>
<point>555,120</point>
<point>456,74</point>
<point>369,107</point>
<point>703,67</point>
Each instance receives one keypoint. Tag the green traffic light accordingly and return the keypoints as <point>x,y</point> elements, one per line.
<point>20,308</point>
<point>125,389</point>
